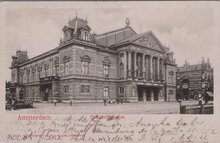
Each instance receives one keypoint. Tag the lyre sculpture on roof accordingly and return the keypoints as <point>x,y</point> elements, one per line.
<point>127,21</point>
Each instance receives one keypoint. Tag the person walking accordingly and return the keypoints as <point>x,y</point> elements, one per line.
<point>105,100</point>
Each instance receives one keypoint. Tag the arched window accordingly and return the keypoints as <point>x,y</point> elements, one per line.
<point>22,76</point>
<point>33,73</point>
<point>86,36</point>
<point>85,60</point>
<point>46,68</point>
<point>121,70</point>
<point>185,84</point>
<point>66,61</point>
<point>106,70</point>
<point>56,63</point>
<point>28,74</point>
<point>106,66</point>
<point>121,90</point>
<point>39,68</point>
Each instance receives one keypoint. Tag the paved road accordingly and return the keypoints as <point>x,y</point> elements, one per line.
<point>99,108</point>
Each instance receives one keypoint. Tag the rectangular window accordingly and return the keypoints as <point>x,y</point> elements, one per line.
<point>86,36</point>
<point>121,70</point>
<point>85,88</point>
<point>121,90</point>
<point>46,72</point>
<point>66,68</point>
<point>106,91</point>
<point>85,68</point>
<point>33,74</point>
<point>106,70</point>
<point>57,70</point>
<point>21,79</point>
<point>66,88</point>
<point>27,78</point>
<point>40,74</point>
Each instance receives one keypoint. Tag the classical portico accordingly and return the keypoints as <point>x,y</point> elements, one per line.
<point>145,72</point>
<point>142,66</point>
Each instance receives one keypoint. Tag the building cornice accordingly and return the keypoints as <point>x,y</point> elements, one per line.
<point>41,56</point>
<point>85,43</point>
<point>64,45</point>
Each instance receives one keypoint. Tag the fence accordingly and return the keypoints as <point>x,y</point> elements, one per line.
<point>196,109</point>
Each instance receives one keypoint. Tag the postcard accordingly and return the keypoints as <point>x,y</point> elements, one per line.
<point>99,72</point>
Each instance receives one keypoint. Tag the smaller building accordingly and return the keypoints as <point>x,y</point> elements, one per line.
<point>193,80</point>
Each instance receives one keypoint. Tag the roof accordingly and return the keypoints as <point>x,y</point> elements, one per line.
<point>133,38</point>
<point>52,51</point>
<point>190,67</point>
<point>108,39</point>
<point>81,23</point>
<point>117,30</point>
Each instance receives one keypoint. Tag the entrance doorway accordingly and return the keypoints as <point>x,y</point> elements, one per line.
<point>156,92</point>
<point>140,93</point>
<point>148,95</point>
<point>149,90</point>
<point>45,91</point>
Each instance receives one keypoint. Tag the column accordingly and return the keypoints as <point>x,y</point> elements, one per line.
<point>129,63</point>
<point>162,73</point>
<point>144,95</point>
<point>146,68</point>
<point>51,67</point>
<point>158,68</point>
<point>151,68</point>
<point>152,95</point>
<point>125,64</point>
<point>143,66</point>
<point>135,65</point>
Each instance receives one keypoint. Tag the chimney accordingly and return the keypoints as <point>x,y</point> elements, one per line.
<point>203,61</point>
<point>21,56</point>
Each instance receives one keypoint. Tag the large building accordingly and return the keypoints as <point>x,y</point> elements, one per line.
<point>193,80</point>
<point>86,67</point>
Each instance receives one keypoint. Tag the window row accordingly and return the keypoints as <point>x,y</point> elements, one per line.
<point>35,76</point>
<point>86,89</point>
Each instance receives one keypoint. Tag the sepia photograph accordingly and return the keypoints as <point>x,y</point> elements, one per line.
<point>109,72</point>
<point>109,60</point>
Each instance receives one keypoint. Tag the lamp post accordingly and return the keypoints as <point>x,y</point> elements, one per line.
<point>178,92</point>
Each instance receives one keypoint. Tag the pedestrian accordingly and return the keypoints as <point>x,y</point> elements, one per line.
<point>205,97</point>
<point>105,100</point>
<point>201,99</point>
<point>21,94</point>
<point>10,101</point>
<point>15,101</point>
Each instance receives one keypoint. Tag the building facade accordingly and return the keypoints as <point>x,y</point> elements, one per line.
<point>86,67</point>
<point>193,80</point>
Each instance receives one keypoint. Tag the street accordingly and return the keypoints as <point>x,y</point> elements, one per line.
<point>99,108</point>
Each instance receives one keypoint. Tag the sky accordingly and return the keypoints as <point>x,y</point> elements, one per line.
<point>186,28</point>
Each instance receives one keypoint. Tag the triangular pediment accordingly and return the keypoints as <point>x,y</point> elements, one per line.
<point>149,40</point>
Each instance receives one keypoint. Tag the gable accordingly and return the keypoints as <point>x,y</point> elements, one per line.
<point>149,40</point>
